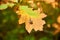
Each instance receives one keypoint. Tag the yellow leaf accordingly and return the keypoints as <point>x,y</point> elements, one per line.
<point>22,17</point>
<point>37,24</point>
<point>58,19</point>
<point>31,22</point>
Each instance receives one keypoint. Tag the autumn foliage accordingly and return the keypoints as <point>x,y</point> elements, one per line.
<point>29,19</point>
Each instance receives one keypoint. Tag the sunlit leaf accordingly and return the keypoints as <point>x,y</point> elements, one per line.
<point>35,23</point>
<point>28,11</point>
<point>3,6</point>
<point>31,19</point>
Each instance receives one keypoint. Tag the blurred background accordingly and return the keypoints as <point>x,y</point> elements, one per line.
<point>10,29</point>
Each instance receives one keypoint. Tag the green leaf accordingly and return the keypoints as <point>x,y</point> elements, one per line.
<point>28,11</point>
<point>3,6</point>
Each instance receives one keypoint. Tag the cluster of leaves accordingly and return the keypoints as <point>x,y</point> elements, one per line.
<point>10,29</point>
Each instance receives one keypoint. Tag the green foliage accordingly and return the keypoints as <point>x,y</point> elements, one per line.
<point>28,11</point>
<point>14,33</point>
<point>3,6</point>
